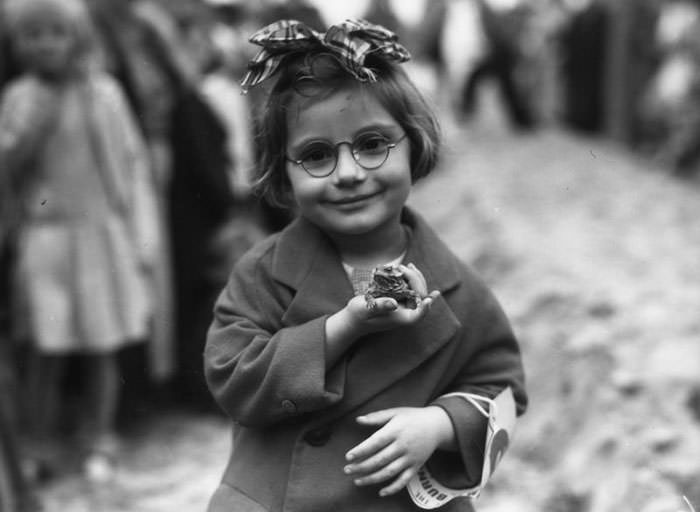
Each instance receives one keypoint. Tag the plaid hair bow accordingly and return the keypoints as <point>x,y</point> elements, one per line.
<point>351,41</point>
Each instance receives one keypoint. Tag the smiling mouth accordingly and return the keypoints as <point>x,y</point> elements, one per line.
<point>348,201</point>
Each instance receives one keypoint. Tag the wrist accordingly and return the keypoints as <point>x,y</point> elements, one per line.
<point>342,326</point>
<point>444,431</point>
<point>341,333</point>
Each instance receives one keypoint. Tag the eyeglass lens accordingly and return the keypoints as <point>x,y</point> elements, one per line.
<point>369,151</point>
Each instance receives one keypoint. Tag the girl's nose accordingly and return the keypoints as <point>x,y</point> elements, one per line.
<point>347,170</point>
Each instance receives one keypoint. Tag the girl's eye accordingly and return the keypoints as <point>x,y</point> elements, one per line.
<point>317,154</point>
<point>371,144</point>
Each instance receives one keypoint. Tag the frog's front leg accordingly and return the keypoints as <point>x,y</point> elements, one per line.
<point>370,301</point>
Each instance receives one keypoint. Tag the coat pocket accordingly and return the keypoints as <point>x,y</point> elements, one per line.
<point>229,499</point>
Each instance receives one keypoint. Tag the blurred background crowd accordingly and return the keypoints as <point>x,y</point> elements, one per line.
<point>623,70</point>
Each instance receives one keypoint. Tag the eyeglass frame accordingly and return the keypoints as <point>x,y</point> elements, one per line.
<point>336,147</point>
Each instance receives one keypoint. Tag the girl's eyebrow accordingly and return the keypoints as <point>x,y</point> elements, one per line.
<point>388,127</point>
<point>381,127</point>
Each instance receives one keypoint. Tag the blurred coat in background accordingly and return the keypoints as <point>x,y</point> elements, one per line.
<point>201,154</point>
<point>136,54</point>
<point>584,44</point>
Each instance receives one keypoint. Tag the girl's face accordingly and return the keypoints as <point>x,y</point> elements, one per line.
<point>47,44</point>
<point>351,200</point>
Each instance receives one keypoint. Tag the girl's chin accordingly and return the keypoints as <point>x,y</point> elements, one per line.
<point>356,226</point>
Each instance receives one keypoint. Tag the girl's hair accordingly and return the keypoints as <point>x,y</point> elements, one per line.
<point>20,13</point>
<point>316,74</point>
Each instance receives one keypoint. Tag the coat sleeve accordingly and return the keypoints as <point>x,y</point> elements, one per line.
<point>259,370</point>
<point>494,365</point>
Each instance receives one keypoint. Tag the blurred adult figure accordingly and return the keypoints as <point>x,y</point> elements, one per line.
<point>220,86</point>
<point>136,45</point>
<point>165,62</point>
<point>8,64</point>
<point>500,62</point>
<point>201,198</point>
<point>540,48</point>
<point>221,89</point>
<point>479,42</point>
<point>632,59</point>
<point>584,45</point>
<point>462,44</point>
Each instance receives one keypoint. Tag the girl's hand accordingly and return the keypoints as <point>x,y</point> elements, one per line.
<point>386,313</point>
<point>407,438</point>
<point>355,320</point>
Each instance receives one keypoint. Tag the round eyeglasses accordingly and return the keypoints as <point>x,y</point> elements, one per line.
<point>320,158</point>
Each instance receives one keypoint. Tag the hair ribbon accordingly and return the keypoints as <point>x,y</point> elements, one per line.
<point>351,41</point>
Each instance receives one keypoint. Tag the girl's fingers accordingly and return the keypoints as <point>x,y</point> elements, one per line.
<point>399,483</point>
<point>377,417</point>
<point>415,279</point>
<point>430,298</point>
<point>382,305</point>
<point>372,444</point>
<point>395,467</point>
<point>372,465</point>
<point>426,302</point>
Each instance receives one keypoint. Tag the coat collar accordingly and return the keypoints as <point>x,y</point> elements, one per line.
<point>306,261</point>
<point>303,252</point>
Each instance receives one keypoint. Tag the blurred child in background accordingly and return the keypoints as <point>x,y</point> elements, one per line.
<point>73,158</point>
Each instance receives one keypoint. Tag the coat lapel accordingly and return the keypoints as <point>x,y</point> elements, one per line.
<point>382,359</point>
<point>307,261</point>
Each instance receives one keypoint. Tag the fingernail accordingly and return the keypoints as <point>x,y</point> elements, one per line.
<point>383,493</point>
<point>347,470</point>
<point>349,457</point>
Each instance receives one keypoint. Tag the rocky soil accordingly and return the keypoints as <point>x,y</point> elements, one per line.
<point>595,255</point>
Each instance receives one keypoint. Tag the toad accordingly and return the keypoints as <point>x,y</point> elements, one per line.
<point>389,281</point>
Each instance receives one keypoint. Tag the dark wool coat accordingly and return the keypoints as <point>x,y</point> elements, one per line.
<point>294,421</point>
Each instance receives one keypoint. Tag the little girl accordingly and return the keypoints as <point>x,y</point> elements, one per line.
<point>71,153</point>
<point>340,403</point>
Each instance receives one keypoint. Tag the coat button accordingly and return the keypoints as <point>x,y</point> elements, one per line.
<point>289,407</point>
<point>318,436</point>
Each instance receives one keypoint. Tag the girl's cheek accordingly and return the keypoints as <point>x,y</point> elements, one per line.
<point>291,190</point>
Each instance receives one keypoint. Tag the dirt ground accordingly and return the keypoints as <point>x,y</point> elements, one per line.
<point>594,255</point>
